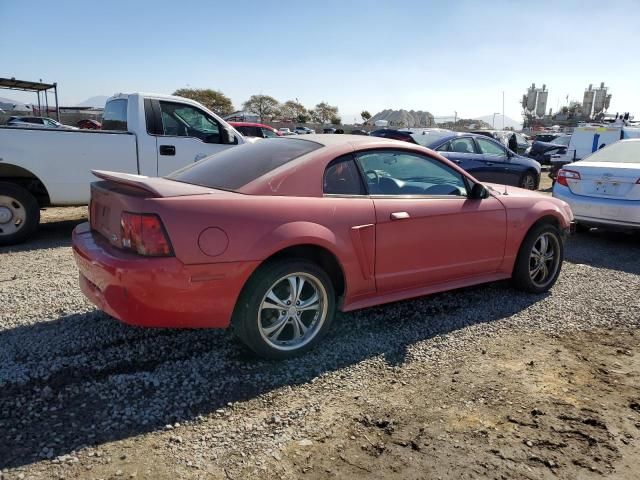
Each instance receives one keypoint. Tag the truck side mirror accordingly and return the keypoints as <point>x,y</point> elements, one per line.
<point>228,137</point>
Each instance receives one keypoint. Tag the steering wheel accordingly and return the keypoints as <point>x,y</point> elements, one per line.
<point>372,177</point>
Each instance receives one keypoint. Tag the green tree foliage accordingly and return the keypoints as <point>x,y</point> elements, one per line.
<point>292,110</point>
<point>365,116</point>
<point>265,106</point>
<point>214,100</point>
<point>336,120</point>
<point>324,112</point>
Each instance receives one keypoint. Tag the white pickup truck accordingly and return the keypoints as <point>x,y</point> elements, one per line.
<point>145,134</point>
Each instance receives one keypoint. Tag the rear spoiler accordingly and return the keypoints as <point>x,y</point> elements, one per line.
<point>155,186</point>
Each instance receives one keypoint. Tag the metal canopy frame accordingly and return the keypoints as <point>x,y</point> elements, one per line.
<point>38,87</point>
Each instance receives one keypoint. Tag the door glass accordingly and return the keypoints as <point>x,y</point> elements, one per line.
<point>180,120</point>
<point>401,173</point>
<point>462,145</point>
<point>490,148</point>
<point>268,133</point>
<point>445,147</point>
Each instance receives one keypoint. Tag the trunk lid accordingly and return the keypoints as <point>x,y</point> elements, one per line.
<point>606,180</point>
<point>122,192</point>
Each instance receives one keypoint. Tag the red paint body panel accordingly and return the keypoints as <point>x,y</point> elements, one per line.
<point>444,243</point>
<point>156,292</point>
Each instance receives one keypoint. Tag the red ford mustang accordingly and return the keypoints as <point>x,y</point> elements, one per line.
<point>271,238</point>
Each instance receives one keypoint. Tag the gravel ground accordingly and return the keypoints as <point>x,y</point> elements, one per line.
<point>480,382</point>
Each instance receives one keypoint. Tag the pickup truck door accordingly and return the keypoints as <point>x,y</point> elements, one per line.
<point>184,134</point>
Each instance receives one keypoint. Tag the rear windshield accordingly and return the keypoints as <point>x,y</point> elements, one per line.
<point>235,167</point>
<point>619,152</point>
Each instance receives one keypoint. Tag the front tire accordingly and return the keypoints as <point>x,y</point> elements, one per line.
<point>19,214</point>
<point>528,181</point>
<point>539,260</point>
<point>285,309</point>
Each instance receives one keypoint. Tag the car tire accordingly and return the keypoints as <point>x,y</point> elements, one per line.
<point>19,214</point>
<point>528,181</point>
<point>266,317</point>
<point>536,270</point>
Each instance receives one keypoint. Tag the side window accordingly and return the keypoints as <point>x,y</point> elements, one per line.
<point>343,178</point>
<point>445,147</point>
<point>115,115</point>
<point>402,173</point>
<point>490,148</point>
<point>463,145</point>
<point>266,133</point>
<point>179,120</point>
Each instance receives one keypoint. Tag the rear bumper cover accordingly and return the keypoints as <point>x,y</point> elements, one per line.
<point>597,211</point>
<point>157,291</point>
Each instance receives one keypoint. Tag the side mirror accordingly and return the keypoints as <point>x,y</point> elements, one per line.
<point>478,192</point>
<point>228,137</point>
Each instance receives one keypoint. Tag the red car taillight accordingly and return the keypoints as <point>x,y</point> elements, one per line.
<point>144,234</point>
<point>563,175</point>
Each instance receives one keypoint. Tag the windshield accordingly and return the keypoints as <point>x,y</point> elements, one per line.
<point>619,152</point>
<point>235,167</point>
<point>562,141</point>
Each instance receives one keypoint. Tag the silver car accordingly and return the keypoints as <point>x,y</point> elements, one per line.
<point>604,188</point>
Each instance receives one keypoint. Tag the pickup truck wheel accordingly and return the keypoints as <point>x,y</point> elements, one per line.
<point>285,309</point>
<point>19,214</point>
<point>539,260</point>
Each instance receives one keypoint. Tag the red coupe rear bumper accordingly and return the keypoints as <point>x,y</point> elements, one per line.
<point>156,291</point>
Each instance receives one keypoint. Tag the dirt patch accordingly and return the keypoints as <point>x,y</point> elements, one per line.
<point>519,405</point>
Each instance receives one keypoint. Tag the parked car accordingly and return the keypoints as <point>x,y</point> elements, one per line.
<point>480,155</point>
<point>89,124</point>
<point>404,136</point>
<point>286,131</point>
<point>359,131</point>
<point>36,122</point>
<point>303,130</point>
<point>146,134</point>
<point>328,130</point>
<point>258,130</point>
<point>603,190</point>
<point>336,222</point>
<point>543,151</point>
<point>503,137</point>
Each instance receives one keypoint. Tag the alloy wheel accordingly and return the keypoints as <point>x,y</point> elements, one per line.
<point>529,182</point>
<point>12,215</point>
<point>544,259</point>
<point>292,311</point>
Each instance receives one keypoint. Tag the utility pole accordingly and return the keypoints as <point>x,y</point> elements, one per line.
<point>455,118</point>
<point>502,109</point>
<point>493,122</point>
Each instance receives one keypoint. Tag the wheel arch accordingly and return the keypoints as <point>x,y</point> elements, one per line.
<point>26,179</point>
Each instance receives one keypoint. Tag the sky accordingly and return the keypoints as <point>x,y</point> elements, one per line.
<point>440,56</point>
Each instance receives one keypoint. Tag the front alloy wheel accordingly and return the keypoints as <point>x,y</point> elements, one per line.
<point>285,309</point>
<point>528,181</point>
<point>539,259</point>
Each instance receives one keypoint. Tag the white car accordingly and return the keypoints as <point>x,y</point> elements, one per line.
<point>286,131</point>
<point>37,122</point>
<point>303,130</point>
<point>604,188</point>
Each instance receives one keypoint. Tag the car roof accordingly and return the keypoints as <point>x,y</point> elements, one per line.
<point>248,124</point>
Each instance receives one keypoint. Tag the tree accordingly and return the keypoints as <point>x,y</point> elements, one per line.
<point>264,105</point>
<point>365,116</point>
<point>324,112</point>
<point>336,120</point>
<point>212,99</point>
<point>293,110</point>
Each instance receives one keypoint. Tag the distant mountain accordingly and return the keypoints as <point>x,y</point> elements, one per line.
<point>97,101</point>
<point>508,122</point>
<point>404,118</point>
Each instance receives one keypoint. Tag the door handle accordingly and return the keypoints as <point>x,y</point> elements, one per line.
<point>167,150</point>
<point>399,215</point>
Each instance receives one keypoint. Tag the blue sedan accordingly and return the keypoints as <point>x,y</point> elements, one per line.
<point>483,157</point>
